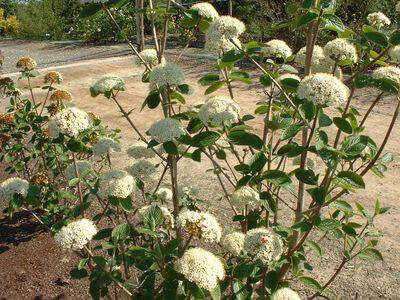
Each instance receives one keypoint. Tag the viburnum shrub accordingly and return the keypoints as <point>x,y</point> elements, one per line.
<point>143,235</point>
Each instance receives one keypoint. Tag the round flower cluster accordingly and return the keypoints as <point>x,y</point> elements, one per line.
<point>200,224</point>
<point>201,267</point>
<point>233,243</point>
<point>61,95</point>
<point>70,121</point>
<point>107,83</point>
<point>26,63</point>
<point>140,150</point>
<point>246,196</point>
<point>166,130</point>
<point>40,178</point>
<point>218,111</point>
<point>142,169</point>
<point>83,166</point>
<point>391,72</point>
<point>164,194</point>
<point>318,54</point>
<point>323,89</point>
<point>53,77</point>
<point>288,76</point>
<point>6,119</point>
<point>276,49</point>
<point>106,145</point>
<point>6,81</point>
<point>263,244</point>
<point>341,49</point>
<point>116,183</point>
<point>326,65</point>
<point>11,186</point>
<point>221,31</point>
<point>205,10</point>
<point>166,73</point>
<point>76,234</point>
<point>168,217</point>
<point>149,56</point>
<point>394,53</point>
<point>285,294</point>
<point>378,19</point>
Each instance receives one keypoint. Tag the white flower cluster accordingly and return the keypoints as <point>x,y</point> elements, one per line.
<point>142,169</point>
<point>106,145</point>
<point>164,194</point>
<point>166,130</point>
<point>245,195</point>
<point>391,72</point>
<point>263,244</point>
<point>83,166</point>
<point>341,49</point>
<point>76,234</point>
<point>116,183</point>
<point>221,31</point>
<point>108,83</point>
<point>323,89</point>
<point>205,10</point>
<point>149,56</point>
<point>168,217</point>
<point>285,294</point>
<point>317,55</point>
<point>201,267</point>
<point>218,111</point>
<point>394,53</point>
<point>11,186</point>
<point>378,19</point>
<point>200,224</point>
<point>276,49</point>
<point>233,243</point>
<point>70,121</point>
<point>139,150</point>
<point>166,73</point>
<point>288,76</point>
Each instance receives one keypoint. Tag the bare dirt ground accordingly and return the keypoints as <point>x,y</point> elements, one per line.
<point>46,267</point>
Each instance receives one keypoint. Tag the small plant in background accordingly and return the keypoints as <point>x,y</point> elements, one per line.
<point>139,232</point>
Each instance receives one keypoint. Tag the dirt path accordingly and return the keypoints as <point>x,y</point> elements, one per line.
<point>360,279</point>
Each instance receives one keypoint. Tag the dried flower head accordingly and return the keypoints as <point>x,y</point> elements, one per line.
<point>391,72</point>
<point>53,77</point>
<point>201,267</point>
<point>341,49</point>
<point>6,119</point>
<point>5,81</point>
<point>12,186</point>
<point>233,243</point>
<point>165,74</point>
<point>107,84</point>
<point>70,121</point>
<point>116,183</point>
<point>26,63</point>
<point>142,169</point>
<point>166,130</point>
<point>94,117</point>
<point>276,49</point>
<point>60,96</point>
<point>378,19</point>
<point>40,178</point>
<point>218,111</point>
<point>205,10</point>
<point>168,217</point>
<point>263,244</point>
<point>4,139</point>
<point>76,234</point>
<point>83,167</point>
<point>164,194</point>
<point>323,89</point>
<point>140,150</point>
<point>246,196</point>
<point>106,145</point>
<point>200,224</point>
<point>285,294</point>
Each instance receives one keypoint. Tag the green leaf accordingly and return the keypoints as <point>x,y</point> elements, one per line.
<point>75,145</point>
<point>370,254</point>
<point>153,216</point>
<point>343,125</point>
<point>257,162</point>
<point>314,246</point>
<point>374,36</point>
<point>205,139</point>
<point>306,18</point>
<point>209,79</point>
<point>231,56</point>
<point>318,194</point>
<point>329,224</point>
<point>78,273</point>
<point>171,148</point>
<point>306,176</point>
<point>244,270</point>
<point>332,22</point>
<point>194,125</point>
<point>126,204</point>
<point>276,177</point>
<point>196,292</point>
<point>343,206</point>
<point>352,178</point>
<point>291,131</point>
<point>121,232</point>
<point>90,10</point>
<point>266,80</point>
<point>214,87</point>
<point>395,38</point>
<point>152,100</point>
<point>216,293</point>
<point>310,282</point>
<point>245,138</point>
